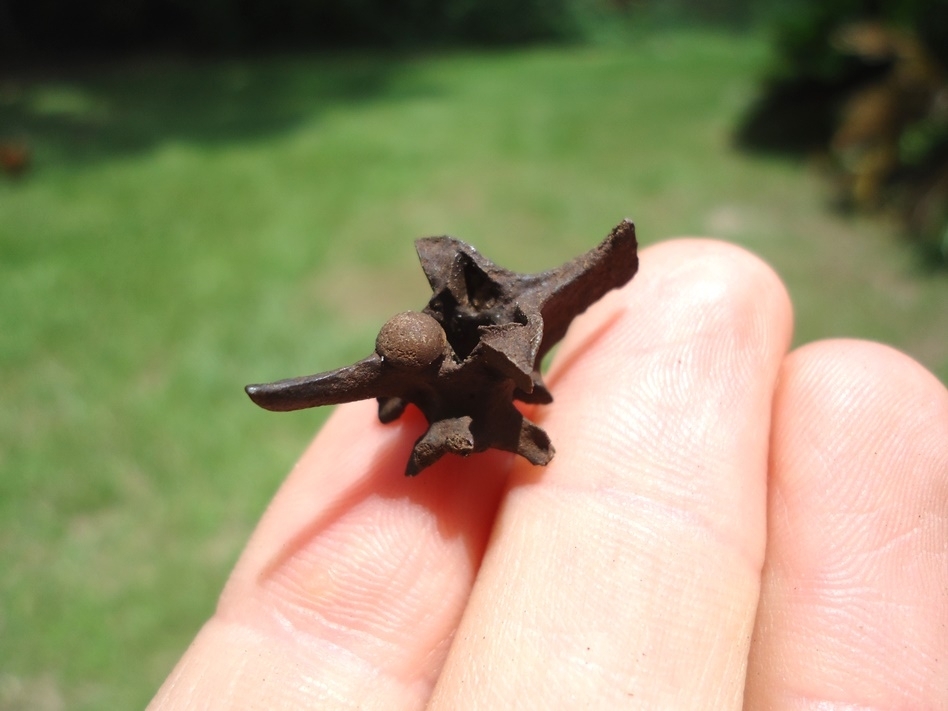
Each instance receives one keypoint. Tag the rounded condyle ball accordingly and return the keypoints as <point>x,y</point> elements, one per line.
<point>410,340</point>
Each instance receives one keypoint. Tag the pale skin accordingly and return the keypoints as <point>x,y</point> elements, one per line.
<point>725,525</point>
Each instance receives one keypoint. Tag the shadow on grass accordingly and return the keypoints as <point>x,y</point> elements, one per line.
<point>86,114</point>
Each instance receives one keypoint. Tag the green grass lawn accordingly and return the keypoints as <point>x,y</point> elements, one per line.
<point>187,229</point>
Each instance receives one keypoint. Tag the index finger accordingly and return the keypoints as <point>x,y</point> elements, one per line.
<point>353,583</point>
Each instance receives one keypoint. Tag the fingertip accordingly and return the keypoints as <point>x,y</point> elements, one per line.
<point>671,368</point>
<point>863,395</point>
<point>684,287</point>
<point>875,369</point>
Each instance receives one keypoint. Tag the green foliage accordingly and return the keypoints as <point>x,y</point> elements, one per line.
<point>859,82</point>
<point>803,30</point>
<point>802,38</point>
<point>929,18</point>
<point>213,25</point>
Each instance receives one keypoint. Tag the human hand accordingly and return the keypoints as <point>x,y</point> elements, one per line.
<point>724,526</point>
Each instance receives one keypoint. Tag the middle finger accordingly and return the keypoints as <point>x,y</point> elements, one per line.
<point>628,571</point>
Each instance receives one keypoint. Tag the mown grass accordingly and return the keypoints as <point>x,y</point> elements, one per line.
<point>188,228</point>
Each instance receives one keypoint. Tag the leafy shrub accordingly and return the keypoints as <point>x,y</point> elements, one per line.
<point>864,83</point>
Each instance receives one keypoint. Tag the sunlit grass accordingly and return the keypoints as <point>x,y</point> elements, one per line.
<point>187,229</point>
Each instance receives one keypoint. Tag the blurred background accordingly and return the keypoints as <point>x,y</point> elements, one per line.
<point>199,194</point>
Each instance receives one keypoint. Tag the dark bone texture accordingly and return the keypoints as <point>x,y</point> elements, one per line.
<point>471,352</point>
